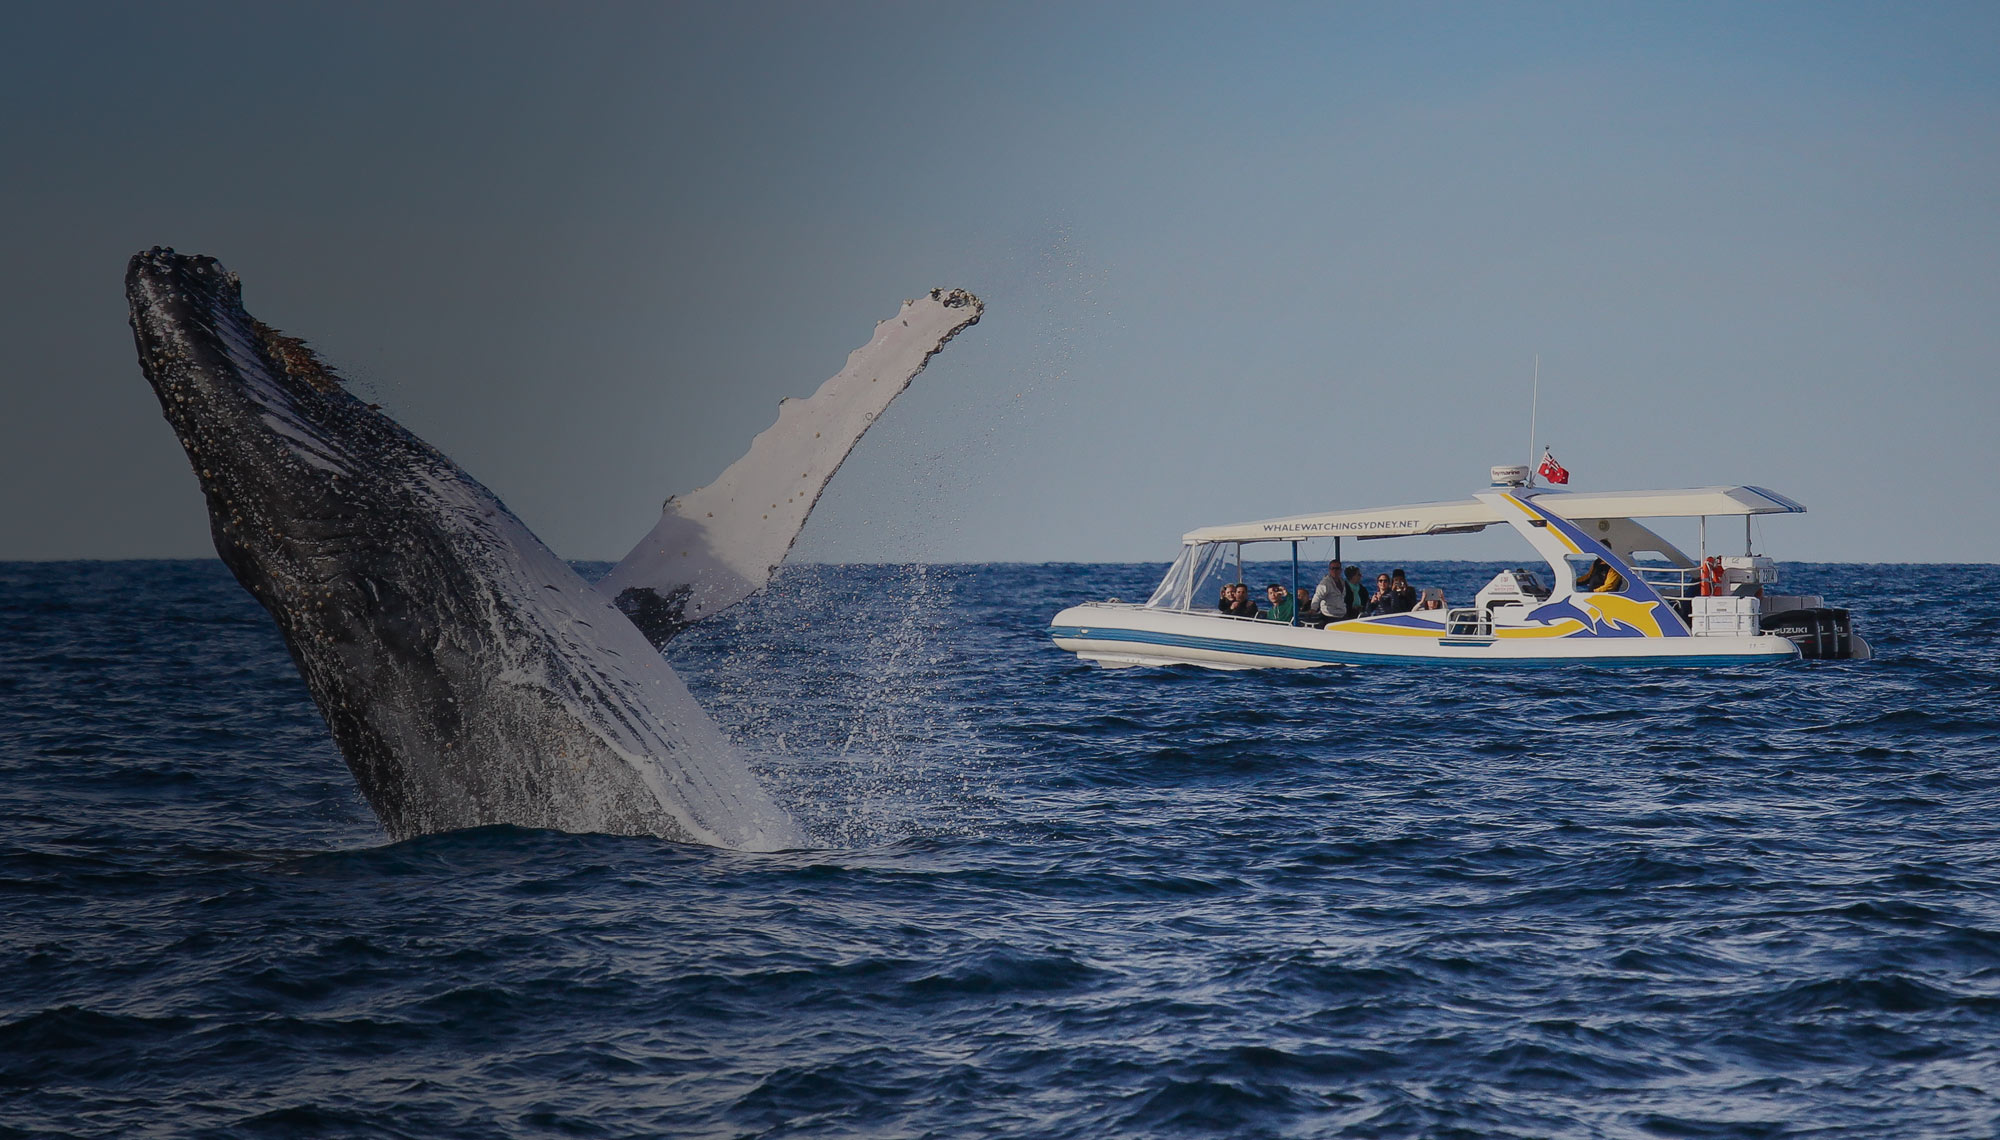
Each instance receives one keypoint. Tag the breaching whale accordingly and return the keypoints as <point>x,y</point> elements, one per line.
<point>468,675</point>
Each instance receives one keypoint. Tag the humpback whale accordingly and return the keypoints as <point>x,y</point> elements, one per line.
<point>467,674</point>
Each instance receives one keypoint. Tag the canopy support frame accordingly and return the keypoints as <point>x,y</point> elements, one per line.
<point>1295,581</point>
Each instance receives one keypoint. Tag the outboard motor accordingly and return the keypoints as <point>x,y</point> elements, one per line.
<point>1822,634</point>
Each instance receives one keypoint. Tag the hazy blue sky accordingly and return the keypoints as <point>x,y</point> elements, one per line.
<point>1238,262</point>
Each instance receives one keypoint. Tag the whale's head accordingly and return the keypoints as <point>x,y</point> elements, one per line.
<point>286,457</point>
<point>332,515</point>
<point>314,496</point>
<point>255,430</point>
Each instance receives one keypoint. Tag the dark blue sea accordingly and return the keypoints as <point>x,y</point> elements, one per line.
<point>1049,901</point>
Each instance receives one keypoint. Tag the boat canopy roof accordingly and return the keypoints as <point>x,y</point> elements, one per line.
<point>1464,515</point>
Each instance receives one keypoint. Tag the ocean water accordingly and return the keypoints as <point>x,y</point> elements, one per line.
<point>1050,900</point>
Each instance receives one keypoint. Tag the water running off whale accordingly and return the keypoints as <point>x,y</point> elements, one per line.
<point>467,674</point>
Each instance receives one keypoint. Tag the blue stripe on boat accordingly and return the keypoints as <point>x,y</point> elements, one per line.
<point>1347,657</point>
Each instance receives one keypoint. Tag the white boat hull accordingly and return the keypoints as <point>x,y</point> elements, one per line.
<point>1127,635</point>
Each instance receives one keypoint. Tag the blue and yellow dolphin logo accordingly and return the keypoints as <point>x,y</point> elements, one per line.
<point>1604,615</point>
<point>1634,611</point>
<point>1614,611</point>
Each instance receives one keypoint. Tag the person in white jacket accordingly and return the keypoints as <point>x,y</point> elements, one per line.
<point>1329,599</point>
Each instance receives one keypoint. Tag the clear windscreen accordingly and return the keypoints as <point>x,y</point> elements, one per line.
<point>1195,579</point>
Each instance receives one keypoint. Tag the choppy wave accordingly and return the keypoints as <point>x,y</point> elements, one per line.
<point>1051,900</point>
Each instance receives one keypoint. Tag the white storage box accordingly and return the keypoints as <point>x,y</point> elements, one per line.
<point>1726,617</point>
<point>1752,569</point>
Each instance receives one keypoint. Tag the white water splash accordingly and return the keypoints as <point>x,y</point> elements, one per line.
<point>875,738</point>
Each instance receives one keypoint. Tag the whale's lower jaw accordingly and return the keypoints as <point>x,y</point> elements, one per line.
<point>469,677</point>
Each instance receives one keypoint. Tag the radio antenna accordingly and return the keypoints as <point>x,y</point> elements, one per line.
<point>1534,406</point>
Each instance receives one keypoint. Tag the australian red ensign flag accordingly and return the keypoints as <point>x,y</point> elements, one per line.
<point>1551,470</point>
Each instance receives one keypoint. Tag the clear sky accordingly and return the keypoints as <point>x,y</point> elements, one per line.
<point>1238,261</point>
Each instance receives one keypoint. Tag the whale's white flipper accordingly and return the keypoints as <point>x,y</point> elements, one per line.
<point>721,544</point>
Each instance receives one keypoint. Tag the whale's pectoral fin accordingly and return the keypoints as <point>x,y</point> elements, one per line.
<point>721,544</point>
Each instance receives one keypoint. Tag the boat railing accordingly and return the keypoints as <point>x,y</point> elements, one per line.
<point>1468,621</point>
<point>1671,581</point>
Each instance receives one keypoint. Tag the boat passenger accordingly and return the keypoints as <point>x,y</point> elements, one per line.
<point>1246,606</point>
<point>1600,578</point>
<point>1236,600</point>
<point>1329,598</point>
<point>1432,599</point>
<point>1308,613</point>
<point>1406,594</point>
<point>1282,607</point>
<point>1593,577</point>
<point>1331,608</point>
<point>1384,599</point>
<point>1357,594</point>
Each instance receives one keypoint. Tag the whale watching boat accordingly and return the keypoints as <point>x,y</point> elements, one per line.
<point>1649,603</point>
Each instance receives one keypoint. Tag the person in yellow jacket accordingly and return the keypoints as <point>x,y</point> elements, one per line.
<point>1601,578</point>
